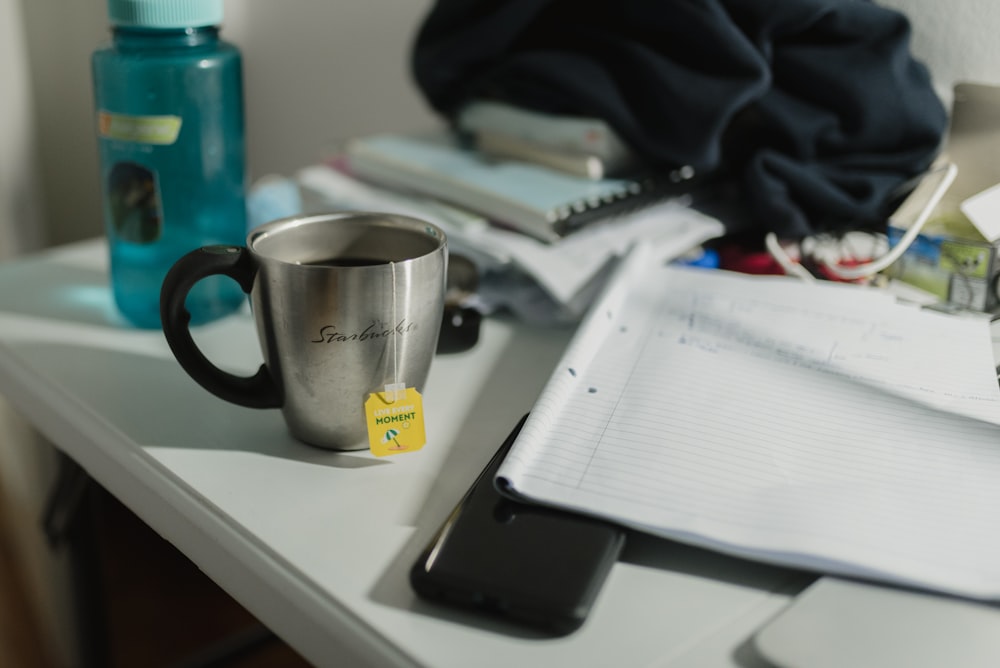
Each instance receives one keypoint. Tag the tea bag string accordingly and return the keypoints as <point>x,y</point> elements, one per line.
<point>394,390</point>
<point>395,334</point>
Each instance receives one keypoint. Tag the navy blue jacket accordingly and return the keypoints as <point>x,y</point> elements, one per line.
<point>816,108</point>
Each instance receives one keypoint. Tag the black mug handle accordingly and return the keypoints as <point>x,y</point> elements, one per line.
<point>257,391</point>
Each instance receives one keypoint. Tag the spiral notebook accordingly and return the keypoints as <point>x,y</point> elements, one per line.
<point>544,203</point>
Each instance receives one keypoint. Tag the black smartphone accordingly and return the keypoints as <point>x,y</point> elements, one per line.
<point>538,566</point>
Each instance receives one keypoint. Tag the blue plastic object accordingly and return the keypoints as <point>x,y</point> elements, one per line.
<point>169,99</point>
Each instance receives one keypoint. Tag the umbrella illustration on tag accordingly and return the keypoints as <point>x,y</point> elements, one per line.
<point>390,435</point>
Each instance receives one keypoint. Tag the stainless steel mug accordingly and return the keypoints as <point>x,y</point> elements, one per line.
<point>344,304</point>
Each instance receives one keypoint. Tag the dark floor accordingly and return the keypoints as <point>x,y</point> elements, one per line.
<point>20,644</point>
<point>161,610</point>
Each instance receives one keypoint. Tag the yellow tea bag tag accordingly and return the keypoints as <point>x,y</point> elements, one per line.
<point>395,421</point>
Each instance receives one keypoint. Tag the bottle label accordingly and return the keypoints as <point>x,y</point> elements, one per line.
<point>133,203</point>
<point>159,130</point>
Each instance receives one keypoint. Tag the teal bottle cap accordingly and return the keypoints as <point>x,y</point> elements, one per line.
<point>165,13</point>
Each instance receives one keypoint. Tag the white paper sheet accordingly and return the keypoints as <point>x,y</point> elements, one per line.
<point>820,426</point>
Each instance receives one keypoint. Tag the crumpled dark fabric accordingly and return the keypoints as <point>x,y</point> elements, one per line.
<point>815,108</point>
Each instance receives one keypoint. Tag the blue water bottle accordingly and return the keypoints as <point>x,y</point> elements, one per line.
<point>169,99</point>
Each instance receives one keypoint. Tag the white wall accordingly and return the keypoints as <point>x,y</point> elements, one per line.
<point>320,71</point>
<point>19,168</point>
<point>58,36</point>
<point>958,39</point>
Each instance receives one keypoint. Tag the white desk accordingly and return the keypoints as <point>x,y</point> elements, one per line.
<point>318,544</point>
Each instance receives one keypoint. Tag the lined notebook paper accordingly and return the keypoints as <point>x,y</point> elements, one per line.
<point>814,425</point>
